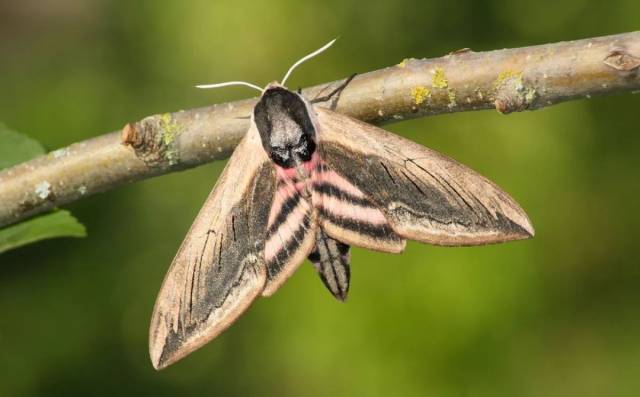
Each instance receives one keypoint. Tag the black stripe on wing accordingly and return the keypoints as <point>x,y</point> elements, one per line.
<point>328,189</point>
<point>378,231</point>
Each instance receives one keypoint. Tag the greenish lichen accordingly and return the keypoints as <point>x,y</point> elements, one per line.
<point>439,79</point>
<point>452,98</point>
<point>169,131</point>
<point>530,95</point>
<point>506,75</point>
<point>512,92</point>
<point>420,94</point>
<point>403,63</point>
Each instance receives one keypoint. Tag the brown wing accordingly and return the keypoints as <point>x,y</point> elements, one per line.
<point>220,267</point>
<point>425,195</point>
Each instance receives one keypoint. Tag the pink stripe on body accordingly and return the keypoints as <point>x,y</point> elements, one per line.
<point>292,173</point>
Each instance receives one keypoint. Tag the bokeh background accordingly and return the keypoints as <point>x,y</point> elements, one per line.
<point>558,315</point>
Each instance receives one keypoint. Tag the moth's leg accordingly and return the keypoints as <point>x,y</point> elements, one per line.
<point>331,259</point>
<point>338,90</point>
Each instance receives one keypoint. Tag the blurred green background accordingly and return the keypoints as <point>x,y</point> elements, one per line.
<point>558,315</point>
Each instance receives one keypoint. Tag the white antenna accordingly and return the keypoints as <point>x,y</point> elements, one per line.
<point>228,83</point>
<point>306,58</point>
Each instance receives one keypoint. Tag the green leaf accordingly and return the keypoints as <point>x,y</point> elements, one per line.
<point>16,148</point>
<point>58,224</point>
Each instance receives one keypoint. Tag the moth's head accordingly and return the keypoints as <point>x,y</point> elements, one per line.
<point>285,126</point>
<point>282,118</point>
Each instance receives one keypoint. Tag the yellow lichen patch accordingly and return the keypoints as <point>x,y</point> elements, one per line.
<point>439,79</point>
<point>403,63</point>
<point>506,75</point>
<point>169,131</point>
<point>420,94</point>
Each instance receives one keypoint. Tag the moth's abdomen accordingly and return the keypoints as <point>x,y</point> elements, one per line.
<point>331,259</point>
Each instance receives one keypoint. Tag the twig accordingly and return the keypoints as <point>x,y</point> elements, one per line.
<point>507,80</point>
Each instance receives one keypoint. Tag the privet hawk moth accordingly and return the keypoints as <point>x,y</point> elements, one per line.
<point>307,182</point>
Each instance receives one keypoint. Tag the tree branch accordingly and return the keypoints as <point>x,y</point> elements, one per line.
<point>508,80</point>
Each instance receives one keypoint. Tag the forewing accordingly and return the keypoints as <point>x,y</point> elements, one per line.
<point>425,195</point>
<point>219,269</point>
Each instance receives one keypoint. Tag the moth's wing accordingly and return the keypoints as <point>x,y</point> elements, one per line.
<point>347,214</point>
<point>219,269</point>
<point>425,195</point>
<point>291,231</point>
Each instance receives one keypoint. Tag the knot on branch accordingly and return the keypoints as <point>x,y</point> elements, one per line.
<point>512,95</point>
<point>622,60</point>
<point>154,140</point>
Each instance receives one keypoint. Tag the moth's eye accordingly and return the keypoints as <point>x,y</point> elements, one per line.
<point>301,147</point>
<point>280,155</point>
<point>304,148</point>
<point>303,140</point>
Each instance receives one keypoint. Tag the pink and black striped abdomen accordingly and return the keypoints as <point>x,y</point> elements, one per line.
<point>331,259</point>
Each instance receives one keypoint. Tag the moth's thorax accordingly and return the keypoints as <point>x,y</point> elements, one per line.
<point>299,178</point>
<point>285,127</point>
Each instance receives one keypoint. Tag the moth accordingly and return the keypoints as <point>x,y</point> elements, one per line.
<point>307,182</point>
